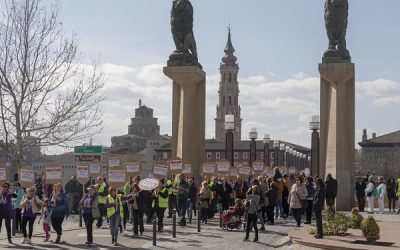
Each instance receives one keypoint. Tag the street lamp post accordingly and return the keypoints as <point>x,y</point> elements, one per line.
<point>229,127</point>
<point>314,127</point>
<point>266,149</point>
<point>253,148</point>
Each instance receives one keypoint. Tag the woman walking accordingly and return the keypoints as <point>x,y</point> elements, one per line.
<point>297,193</point>
<point>20,193</point>
<point>138,208</point>
<point>253,200</point>
<point>90,211</point>
<point>31,205</point>
<point>6,210</point>
<point>115,211</point>
<point>59,210</point>
<point>381,195</point>
<point>204,197</point>
<point>370,191</point>
<point>160,203</point>
<point>46,216</point>
<point>391,194</point>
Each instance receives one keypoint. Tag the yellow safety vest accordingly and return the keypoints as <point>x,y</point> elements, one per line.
<point>111,210</point>
<point>101,199</point>
<point>126,188</point>
<point>162,202</point>
<point>398,187</point>
<point>171,189</point>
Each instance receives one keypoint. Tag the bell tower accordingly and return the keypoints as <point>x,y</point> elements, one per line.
<point>228,94</point>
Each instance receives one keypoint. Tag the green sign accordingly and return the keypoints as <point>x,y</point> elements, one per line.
<point>88,149</point>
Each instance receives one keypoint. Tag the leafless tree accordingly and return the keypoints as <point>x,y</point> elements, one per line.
<point>47,94</point>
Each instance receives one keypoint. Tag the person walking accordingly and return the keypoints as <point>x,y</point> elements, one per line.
<point>31,206</point>
<point>172,186</point>
<point>204,198</point>
<point>369,191</point>
<point>59,210</point>
<point>296,195</point>
<point>101,199</point>
<point>278,179</point>
<point>20,193</point>
<point>261,203</point>
<point>183,195</point>
<point>138,208</point>
<point>6,209</point>
<point>126,190</point>
<point>310,199</point>
<point>318,205</point>
<point>398,193</point>
<point>115,211</point>
<point>330,191</point>
<point>160,203</point>
<point>287,185</point>
<point>381,195</point>
<point>391,194</point>
<point>90,211</point>
<point>361,185</point>
<point>46,219</point>
<point>271,197</point>
<point>192,199</point>
<point>252,203</point>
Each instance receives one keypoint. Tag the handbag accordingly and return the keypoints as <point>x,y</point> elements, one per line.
<point>304,203</point>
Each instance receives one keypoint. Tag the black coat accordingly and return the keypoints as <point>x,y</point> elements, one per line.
<point>330,188</point>
<point>360,188</point>
<point>319,199</point>
<point>271,194</point>
<point>391,189</point>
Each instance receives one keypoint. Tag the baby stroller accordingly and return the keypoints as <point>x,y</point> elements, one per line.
<point>232,218</point>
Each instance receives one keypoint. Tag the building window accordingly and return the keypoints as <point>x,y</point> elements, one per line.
<point>245,155</point>
<point>165,156</point>
<point>209,156</point>
<point>236,156</point>
<point>230,77</point>
<point>223,77</point>
<point>223,103</point>
<point>262,156</point>
<point>218,155</point>
<point>229,99</point>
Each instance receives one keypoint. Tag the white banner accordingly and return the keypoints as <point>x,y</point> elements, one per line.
<point>82,172</point>
<point>27,176</point>
<point>53,173</point>
<point>223,166</point>
<point>187,169</point>
<point>175,165</point>
<point>148,184</point>
<point>258,166</point>
<point>160,170</point>
<point>133,167</point>
<point>244,171</point>
<point>3,175</point>
<point>208,168</point>
<point>234,172</point>
<point>95,168</point>
<point>114,162</point>
<point>116,175</point>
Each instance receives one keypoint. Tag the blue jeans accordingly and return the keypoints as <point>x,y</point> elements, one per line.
<point>190,210</point>
<point>183,204</point>
<point>114,224</point>
<point>279,208</point>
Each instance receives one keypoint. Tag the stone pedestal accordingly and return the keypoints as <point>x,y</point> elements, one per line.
<point>337,128</point>
<point>188,114</point>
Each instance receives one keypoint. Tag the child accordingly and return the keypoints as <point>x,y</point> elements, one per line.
<point>46,215</point>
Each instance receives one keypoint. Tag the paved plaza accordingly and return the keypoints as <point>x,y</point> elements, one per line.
<point>211,237</point>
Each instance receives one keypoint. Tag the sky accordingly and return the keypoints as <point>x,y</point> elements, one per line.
<point>279,44</point>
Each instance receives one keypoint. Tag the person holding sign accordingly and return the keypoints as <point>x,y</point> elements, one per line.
<point>115,211</point>
<point>31,206</point>
<point>160,203</point>
<point>6,210</point>
<point>58,209</point>
<point>138,208</point>
<point>90,211</point>
<point>101,198</point>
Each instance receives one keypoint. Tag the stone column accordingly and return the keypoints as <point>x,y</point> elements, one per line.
<point>315,153</point>
<point>337,128</point>
<point>188,114</point>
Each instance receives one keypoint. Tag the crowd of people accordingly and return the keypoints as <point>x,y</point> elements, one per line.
<point>264,198</point>
<point>371,189</point>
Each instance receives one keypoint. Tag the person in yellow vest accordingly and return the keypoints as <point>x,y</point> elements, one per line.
<point>172,185</point>
<point>160,203</point>
<point>101,199</point>
<point>115,211</point>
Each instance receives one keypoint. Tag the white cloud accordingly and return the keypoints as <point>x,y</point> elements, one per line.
<point>379,87</point>
<point>390,100</point>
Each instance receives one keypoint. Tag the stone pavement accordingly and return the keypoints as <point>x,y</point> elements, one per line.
<point>389,236</point>
<point>211,237</point>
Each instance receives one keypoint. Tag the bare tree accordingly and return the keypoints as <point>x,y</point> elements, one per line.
<point>46,93</point>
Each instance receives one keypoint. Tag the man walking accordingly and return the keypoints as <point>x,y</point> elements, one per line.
<point>361,185</point>
<point>331,191</point>
<point>318,205</point>
<point>183,194</point>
